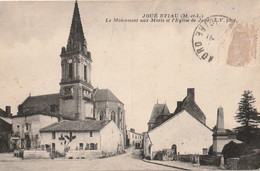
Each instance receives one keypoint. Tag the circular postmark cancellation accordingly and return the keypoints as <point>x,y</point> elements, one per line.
<point>206,36</point>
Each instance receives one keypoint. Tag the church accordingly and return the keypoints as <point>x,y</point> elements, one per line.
<point>77,101</point>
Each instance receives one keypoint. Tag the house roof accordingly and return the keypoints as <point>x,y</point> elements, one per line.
<point>7,120</point>
<point>179,113</point>
<point>76,126</point>
<point>40,104</point>
<point>105,95</point>
<point>191,107</point>
<point>158,109</point>
<point>3,113</point>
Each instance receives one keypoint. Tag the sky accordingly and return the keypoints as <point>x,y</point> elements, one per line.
<point>139,62</point>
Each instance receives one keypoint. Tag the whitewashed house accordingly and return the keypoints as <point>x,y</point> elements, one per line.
<point>133,138</point>
<point>185,130</point>
<point>34,113</point>
<point>82,137</point>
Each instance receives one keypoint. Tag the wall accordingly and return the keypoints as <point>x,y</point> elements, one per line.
<point>219,142</point>
<point>81,137</point>
<point>147,144</point>
<point>111,138</point>
<point>188,134</point>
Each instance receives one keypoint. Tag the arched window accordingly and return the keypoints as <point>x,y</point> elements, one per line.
<point>113,116</point>
<point>101,115</point>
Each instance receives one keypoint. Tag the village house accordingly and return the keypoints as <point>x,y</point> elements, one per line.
<point>77,100</point>
<point>5,128</point>
<point>184,131</point>
<point>133,138</point>
<point>101,136</point>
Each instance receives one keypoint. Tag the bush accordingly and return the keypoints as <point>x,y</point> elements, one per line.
<point>249,162</point>
<point>232,150</point>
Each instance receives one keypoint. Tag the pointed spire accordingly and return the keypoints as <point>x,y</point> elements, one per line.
<point>76,41</point>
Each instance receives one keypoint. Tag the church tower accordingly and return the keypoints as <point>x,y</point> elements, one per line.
<point>75,86</point>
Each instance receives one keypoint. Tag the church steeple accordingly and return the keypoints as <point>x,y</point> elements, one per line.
<point>75,86</point>
<point>76,41</point>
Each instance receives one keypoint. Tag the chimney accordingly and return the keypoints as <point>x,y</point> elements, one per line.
<point>191,93</point>
<point>132,130</point>
<point>8,110</point>
<point>77,116</point>
<point>60,119</point>
<point>179,104</point>
<point>220,120</point>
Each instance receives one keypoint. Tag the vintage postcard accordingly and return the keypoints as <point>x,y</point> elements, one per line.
<point>129,85</point>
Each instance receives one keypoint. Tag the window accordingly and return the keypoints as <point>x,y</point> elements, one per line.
<point>91,134</point>
<point>135,136</point>
<point>95,146</point>
<point>205,151</point>
<point>26,127</point>
<point>101,113</point>
<point>85,72</point>
<point>92,146</point>
<point>113,116</point>
<point>70,71</point>
<point>132,135</point>
<point>81,146</point>
<point>18,127</point>
<point>53,135</point>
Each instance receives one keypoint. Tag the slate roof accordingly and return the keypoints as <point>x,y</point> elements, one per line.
<point>7,120</point>
<point>158,109</point>
<point>76,39</point>
<point>105,95</point>
<point>39,104</point>
<point>192,108</point>
<point>76,126</point>
<point>3,113</point>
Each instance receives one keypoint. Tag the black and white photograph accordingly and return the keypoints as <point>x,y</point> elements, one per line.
<point>129,85</point>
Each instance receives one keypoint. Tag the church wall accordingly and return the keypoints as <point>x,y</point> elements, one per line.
<point>189,135</point>
<point>87,108</point>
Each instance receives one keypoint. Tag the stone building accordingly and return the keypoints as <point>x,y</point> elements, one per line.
<point>77,99</point>
<point>133,138</point>
<point>160,113</point>
<point>184,131</point>
<point>83,136</point>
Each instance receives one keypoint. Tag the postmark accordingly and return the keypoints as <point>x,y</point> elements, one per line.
<point>207,36</point>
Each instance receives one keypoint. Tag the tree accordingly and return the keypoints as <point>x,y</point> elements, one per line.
<point>248,117</point>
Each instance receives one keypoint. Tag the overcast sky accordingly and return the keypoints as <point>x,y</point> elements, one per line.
<point>138,62</point>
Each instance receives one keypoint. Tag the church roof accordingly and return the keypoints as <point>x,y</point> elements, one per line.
<point>76,39</point>
<point>105,95</point>
<point>158,109</point>
<point>76,126</point>
<point>39,104</point>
